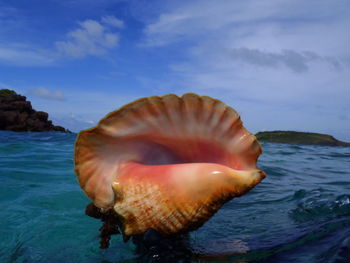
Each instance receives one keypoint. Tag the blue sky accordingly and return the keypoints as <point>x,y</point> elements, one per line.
<point>281,64</point>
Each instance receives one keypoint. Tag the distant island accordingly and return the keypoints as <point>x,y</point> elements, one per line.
<point>17,114</point>
<point>294,137</point>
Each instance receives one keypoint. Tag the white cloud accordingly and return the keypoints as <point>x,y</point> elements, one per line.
<point>112,21</point>
<point>45,93</point>
<point>91,38</point>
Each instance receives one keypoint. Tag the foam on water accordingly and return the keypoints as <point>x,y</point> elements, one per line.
<point>299,213</point>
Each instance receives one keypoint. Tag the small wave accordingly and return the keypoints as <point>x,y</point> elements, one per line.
<point>317,205</point>
<point>276,171</point>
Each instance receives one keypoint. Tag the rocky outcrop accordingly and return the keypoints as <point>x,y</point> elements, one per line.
<point>294,137</point>
<point>17,114</point>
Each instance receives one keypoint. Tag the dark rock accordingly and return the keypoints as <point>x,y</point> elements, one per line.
<point>43,116</point>
<point>22,106</point>
<point>59,128</point>
<point>36,125</point>
<point>22,117</point>
<point>9,117</point>
<point>17,114</point>
<point>4,105</point>
<point>16,127</point>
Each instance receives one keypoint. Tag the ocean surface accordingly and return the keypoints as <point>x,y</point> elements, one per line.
<point>299,213</point>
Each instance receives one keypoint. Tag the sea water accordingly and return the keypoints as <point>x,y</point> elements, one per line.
<point>299,213</point>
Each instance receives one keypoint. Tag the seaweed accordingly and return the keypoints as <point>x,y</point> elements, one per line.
<point>110,223</point>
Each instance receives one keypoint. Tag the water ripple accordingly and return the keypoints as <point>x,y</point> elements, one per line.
<point>299,213</point>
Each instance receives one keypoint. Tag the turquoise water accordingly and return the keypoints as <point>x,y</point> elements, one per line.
<point>299,213</point>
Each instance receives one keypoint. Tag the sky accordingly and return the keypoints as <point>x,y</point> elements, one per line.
<point>282,64</point>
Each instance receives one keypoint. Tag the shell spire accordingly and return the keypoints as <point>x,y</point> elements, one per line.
<point>167,163</point>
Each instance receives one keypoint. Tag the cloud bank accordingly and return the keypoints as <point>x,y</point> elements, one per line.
<point>297,62</point>
<point>282,64</point>
<point>91,38</point>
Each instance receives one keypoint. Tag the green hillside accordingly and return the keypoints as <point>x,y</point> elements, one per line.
<point>293,137</point>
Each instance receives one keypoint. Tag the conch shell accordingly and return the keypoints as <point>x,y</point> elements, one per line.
<point>167,163</point>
